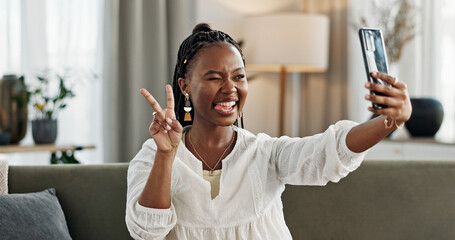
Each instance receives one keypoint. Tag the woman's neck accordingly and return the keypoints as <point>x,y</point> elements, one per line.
<point>211,136</point>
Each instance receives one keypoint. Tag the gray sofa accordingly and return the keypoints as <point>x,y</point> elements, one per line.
<point>381,200</point>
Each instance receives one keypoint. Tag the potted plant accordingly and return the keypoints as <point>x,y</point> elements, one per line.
<point>47,97</point>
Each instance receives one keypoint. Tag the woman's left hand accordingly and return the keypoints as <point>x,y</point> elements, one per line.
<point>397,98</point>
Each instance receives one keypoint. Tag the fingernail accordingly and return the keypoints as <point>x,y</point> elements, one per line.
<point>367,96</point>
<point>168,127</point>
<point>164,131</point>
<point>367,84</point>
<point>168,120</point>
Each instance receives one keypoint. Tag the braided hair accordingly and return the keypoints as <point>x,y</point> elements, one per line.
<point>202,36</point>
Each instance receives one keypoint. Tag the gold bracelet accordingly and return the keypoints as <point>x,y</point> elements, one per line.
<point>393,122</point>
<point>386,122</point>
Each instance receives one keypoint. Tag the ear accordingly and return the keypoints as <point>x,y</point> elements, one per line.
<point>184,85</point>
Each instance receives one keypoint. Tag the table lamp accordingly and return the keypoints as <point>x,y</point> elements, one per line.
<point>286,42</point>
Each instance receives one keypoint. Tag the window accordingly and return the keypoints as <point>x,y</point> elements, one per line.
<point>58,35</point>
<point>446,87</point>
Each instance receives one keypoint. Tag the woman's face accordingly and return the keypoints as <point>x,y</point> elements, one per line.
<point>217,84</point>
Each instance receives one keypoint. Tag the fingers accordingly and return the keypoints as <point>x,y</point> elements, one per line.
<point>163,120</point>
<point>152,101</point>
<point>165,125</point>
<point>381,88</point>
<point>389,79</point>
<point>385,100</point>
<point>175,125</point>
<point>160,122</point>
<point>170,97</point>
<point>396,97</point>
<point>396,89</point>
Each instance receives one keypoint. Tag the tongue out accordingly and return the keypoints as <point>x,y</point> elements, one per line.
<point>222,108</point>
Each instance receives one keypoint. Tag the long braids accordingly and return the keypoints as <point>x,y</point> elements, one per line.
<point>201,37</point>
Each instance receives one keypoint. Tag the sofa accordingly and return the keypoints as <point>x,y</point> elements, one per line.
<point>381,200</point>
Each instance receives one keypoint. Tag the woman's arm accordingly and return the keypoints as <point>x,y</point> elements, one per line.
<point>398,111</point>
<point>145,222</point>
<point>167,133</point>
<point>157,190</point>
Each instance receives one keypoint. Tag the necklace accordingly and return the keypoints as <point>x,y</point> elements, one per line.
<point>211,169</point>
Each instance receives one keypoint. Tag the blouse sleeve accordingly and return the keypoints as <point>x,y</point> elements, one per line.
<point>143,222</point>
<point>317,159</point>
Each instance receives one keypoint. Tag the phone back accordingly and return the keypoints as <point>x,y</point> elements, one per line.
<point>374,55</point>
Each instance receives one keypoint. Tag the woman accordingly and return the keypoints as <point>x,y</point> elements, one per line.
<point>213,180</point>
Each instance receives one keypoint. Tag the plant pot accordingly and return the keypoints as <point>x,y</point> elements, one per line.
<point>426,118</point>
<point>44,131</point>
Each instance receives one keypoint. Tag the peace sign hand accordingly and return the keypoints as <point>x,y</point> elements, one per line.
<point>165,129</point>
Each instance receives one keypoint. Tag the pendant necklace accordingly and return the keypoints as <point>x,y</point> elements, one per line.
<point>221,157</point>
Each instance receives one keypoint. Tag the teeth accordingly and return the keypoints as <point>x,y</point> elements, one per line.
<point>227,104</point>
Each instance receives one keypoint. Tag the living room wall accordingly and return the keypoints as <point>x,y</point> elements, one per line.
<point>344,104</point>
<point>262,108</point>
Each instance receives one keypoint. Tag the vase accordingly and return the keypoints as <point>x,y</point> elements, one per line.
<point>5,138</point>
<point>13,107</point>
<point>44,131</point>
<point>426,118</point>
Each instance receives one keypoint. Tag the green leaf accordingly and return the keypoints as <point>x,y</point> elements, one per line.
<point>22,79</point>
<point>42,79</point>
<point>63,106</point>
<point>29,94</point>
<point>70,94</point>
<point>62,81</point>
<point>63,93</point>
<point>18,100</point>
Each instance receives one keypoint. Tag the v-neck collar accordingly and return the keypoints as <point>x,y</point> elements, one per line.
<point>194,163</point>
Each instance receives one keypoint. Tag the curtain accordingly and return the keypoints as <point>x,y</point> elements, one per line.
<point>324,95</point>
<point>141,41</point>
<point>57,35</point>
<point>23,31</point>
<point>438,51</point>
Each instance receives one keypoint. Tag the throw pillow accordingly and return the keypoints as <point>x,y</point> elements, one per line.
<point>3,176</point>
<point>32,216</point>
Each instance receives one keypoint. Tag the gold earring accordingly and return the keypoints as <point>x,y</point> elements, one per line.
<point>187,108</point>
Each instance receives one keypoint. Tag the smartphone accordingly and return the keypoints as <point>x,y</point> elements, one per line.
<point>374,57</point>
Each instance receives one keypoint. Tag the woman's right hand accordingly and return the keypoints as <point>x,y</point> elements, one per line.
<point>165,129</point>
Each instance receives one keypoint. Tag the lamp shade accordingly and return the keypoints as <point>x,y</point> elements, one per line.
<point>287,39</point>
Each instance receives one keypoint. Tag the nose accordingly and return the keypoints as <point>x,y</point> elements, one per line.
<point>228,86</point>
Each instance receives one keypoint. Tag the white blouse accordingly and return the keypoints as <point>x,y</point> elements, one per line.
<point>254,175</point>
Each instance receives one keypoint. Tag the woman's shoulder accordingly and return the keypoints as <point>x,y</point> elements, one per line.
<point>247,135</point>
<point>249,139</point>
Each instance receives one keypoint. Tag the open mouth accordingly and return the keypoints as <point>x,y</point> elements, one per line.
<point>225,107</point>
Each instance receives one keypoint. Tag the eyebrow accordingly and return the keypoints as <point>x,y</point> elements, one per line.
<point>220,73</point>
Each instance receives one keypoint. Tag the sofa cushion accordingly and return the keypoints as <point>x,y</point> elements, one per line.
<point>93,197</point>
<point>32,216</point>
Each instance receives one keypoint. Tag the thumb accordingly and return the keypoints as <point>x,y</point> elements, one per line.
<point>175,125</point>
